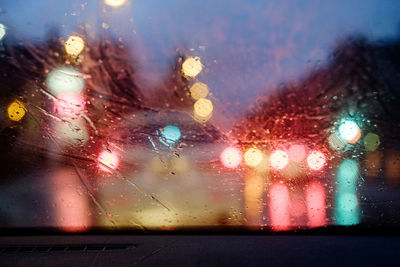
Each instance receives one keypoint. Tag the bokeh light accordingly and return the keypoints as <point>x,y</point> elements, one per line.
<point>199,90</point>
<point>392,166</point>
<point>371,142</point>
<point>203,108</point>
<point>347,176</point>
<point>171,133</point>
<point>253,192</point>
<point>253,156</point>
<point>316,160</point>
<point>192,66</point>
<point>74,45</point>
<point>316,204</point>
<point>335,142</point>
<point>65,80</point>
<point>16,110</point>
<point>279,203</point>
<point>355,139</point>
<point>347,210</point>
<point>231,157</point>
<point>373,163</point>
<point>297,153</point>
<point>114,3</point>
<point>279,159</point>
<point>3,31</point>
<point>108,161</point>
<point>69,104</point>
<point>71,207</point>
<point>349,131</point>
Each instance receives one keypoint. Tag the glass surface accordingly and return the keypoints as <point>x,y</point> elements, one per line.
<point>269,115</point>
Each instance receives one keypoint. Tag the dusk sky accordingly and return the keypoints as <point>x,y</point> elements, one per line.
<point>246,46</point>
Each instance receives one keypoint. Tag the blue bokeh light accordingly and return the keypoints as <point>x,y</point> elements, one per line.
<point>171,134</point>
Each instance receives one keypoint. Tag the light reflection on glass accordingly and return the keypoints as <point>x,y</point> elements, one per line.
<point>316,206</point>
<point>108,161</point>
<point>70,200</point>
<point>347,210</point>
<point>373,163</point>
<point>71,132</point>
<point>253,191</point>
<point>69,104</point>
<point>279,207</point>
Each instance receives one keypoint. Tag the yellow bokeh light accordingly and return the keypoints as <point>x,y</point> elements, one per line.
<point>74,45</point>
<point>371,142</point>
<point>16,110</point>
<point>203,108</point>
<point>253,191</point>
<point>192,66</point>
<point>202,119</point>
<point>114,3</point>
<point>199,90</point>
<point>253,157</point>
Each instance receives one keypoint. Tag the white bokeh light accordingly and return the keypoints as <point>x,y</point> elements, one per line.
<point>65,80</point>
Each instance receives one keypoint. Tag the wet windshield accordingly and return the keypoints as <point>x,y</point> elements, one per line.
<point>124,114</point>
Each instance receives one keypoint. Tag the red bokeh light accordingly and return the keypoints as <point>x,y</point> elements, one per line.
<point>315,199</point>
<point>279,207</point>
